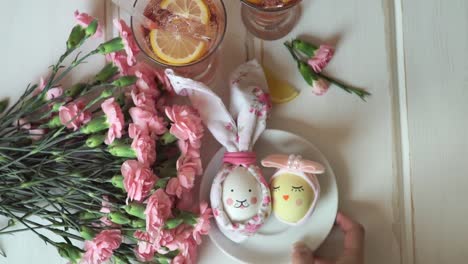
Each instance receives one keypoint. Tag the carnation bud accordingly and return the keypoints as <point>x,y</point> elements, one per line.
<point>173,223</point>
<point>56,106</point>
<point>112,45</point>
<point>168,138</point>
<point>95,141</point>
<point>95,125</point>
<point>77,35</point>
<point>136,209</point>
<point>106,93</point>
<point>120,260</point>
<point>119,218</point>
<point>91,28</point>
<point>123,151</point>
<point>189,218</point>
<point>138,223</point>
<point>75,89</point>
<point>88,216</point>
<point>4,104</point>
<point>125,81</point>
<point>106,73</point>
<point>54,122</point>
<point>117,181</point>
<point>87,233</point>
<point>163,259</point>
<point>162,182</point>
<point>70,252</point>
<point>304,47</point>
<point>307,73</point>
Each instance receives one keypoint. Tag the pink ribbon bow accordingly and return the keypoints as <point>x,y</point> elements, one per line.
<point>293,162</point>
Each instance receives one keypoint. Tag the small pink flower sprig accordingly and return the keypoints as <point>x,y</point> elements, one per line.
<point>311,60</point>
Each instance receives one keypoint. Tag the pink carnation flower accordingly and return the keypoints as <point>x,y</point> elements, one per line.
<point>188,253</point>
<point>128,40</point>
<point>106,205</point>
<point>145,149</point>
<point>186,172</point>
<point>320,87</point>
<point>148,121</point>
<point>54,93</point>
<point>186,201</point>
<point>321,58</point>
<point>203,223</point>
<point>119,59</point>
<point>143,100</point>
<point>101,248</point>
<point>22,123</point>
<point>115,119</point>
<point>138,179</point>
<point>187,124</point>
<point>84,20</point>
<point>174,188</point>
<point>158,210</point>
<point>72,115</point>
<point>37,133</point>
<point>144,250</point>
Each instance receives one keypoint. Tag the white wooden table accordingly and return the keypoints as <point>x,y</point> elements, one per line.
<point>400,158</point>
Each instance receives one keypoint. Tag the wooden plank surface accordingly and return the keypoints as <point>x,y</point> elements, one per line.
<point>355,136</point>
<point>436,48</point>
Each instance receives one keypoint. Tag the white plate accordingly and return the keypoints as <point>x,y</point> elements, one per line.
<point>273,242</point>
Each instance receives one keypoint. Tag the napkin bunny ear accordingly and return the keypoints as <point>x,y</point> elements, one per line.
<point>293,162</point>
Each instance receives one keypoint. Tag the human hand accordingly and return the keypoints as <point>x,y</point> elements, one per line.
<point>353,252</point>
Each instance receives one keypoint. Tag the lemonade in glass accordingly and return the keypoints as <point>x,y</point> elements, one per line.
<point>185,35</point>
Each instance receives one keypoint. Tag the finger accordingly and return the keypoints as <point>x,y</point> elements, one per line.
<point>323,261</point>
<point>353,232</point>
<point>301,254</point>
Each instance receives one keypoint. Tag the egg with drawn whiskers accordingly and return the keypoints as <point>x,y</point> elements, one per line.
<point>241,195</point>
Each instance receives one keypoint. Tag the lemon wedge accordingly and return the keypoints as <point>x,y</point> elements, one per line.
<point>280,90</point>
<point>175,48</point>
<point>189,9</point>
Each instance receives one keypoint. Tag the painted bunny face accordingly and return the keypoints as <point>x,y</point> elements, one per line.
<point>292,197</point>
<point>241,195</point>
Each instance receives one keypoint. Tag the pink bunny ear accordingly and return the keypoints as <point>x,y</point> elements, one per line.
<point>293,162</point>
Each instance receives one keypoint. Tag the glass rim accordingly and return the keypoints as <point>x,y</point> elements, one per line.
<point>263,9</point>
<point>208,55</point>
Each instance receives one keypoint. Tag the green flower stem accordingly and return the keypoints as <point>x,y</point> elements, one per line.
<point>357,91</point>
<point>71,66</point>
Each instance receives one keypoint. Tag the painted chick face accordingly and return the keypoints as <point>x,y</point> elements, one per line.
<point>241,195</point>
<point>292,197</point>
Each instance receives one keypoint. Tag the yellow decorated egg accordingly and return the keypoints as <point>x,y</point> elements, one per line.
<point>292,197</point>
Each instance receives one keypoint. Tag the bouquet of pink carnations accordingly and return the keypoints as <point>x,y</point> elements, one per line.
<point>107,164</point>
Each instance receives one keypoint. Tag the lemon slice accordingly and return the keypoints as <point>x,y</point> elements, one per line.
<point>280,91</point>
<point>175,48</point>
<point>189,9</point>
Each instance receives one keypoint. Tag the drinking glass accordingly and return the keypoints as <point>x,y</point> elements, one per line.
<point>270,23</point>
<point>202,69</point>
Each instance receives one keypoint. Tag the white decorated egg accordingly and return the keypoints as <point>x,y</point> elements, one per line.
<point>241,195</point>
